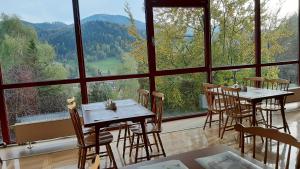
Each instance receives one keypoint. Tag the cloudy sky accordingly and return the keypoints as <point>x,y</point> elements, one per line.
<point>61,10</point>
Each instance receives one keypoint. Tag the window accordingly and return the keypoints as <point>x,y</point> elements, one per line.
<point>232,32</point>
<point>37,43</point>
<point>289,72</point>
<point>114,37</point>
<point>230,77</point>
<point>279,30</point>
<point>39,103</point>
<point>179,37</point>
<point>183,93</point>
<point>116,89</point>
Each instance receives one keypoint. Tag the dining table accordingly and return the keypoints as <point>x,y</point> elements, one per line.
<point>97,115</point>
<point>257,95</point>
<point>214,157</point>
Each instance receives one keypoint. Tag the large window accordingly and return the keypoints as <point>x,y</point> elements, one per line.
<point>114,37</point>
<point>183,93</point>
<point>178,37</point>
<point>36,104</point>
<point>232,32</point>
<point>37,41</point>
<point>233,76</point>
<point>289,72</point>
<point>279,29</point>
<point>116,89</point>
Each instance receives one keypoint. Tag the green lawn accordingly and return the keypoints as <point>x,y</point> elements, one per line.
<point>107,65</point>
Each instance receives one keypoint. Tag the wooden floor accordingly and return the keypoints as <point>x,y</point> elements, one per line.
<point>178,136</point>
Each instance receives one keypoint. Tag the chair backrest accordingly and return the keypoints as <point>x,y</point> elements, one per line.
<point>143,97</point>
<point>270,134</point>
<point>231,99</point>
<point>254,81</point>
<point>276,84</point>
<point>157,108</point>
<point>213,96</point>
<point>76,123</point>
<point>96,164</point>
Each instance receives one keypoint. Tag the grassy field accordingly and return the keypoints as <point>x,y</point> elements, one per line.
<point>107,65</point>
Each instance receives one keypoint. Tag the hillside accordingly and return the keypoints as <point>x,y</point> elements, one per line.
<point>104,36</point>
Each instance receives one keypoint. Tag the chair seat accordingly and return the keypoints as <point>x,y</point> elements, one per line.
<point>243,113</point>
<point>150,128</point>
<point>88,130</point>
<point>270,107</point>
<point>105,138</point>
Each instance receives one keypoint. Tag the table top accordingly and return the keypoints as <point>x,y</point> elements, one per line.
<point>127,110</point>
<point>261,93</point>
<point>188,158</point>
<point>254,93</point>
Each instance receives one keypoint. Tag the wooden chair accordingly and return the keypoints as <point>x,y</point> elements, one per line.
<point>272,105</point>
<point>258,82</point>
<point>215,104</point>
<point>143,99</point>
<point>254,81</point>
<point>269,135</point>
<point>151,129</point>
<point>86,130</point>
<point>233,108</point>
<point>86,142</point>
<point>96,163</point>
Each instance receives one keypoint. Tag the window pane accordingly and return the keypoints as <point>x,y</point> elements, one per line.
<point>230,77</point>
<point>179,37</point>
<point>279,30</point>
<point>114,37</point>
<point>35,104</point>
<point>117,89</point>
<point>37,41</point>
<point>289,72</point>
<point>232,31</point>
<point>183,93</point>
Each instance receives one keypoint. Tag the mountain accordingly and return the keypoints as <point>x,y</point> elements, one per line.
<point>117,19</point>
<point>47,25</point>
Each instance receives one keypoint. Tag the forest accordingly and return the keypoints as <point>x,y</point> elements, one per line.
<point>40,52</point>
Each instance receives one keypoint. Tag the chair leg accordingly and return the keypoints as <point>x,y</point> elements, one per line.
<point>155,141</point>
<point>219,124</point>
<point>79,158</point>
<point>111,155</point>
<point>119,135</point>
<point>210,119</point>
<point>207,116</point>
<point>161,145</point>
<point>124,139</point>
<point>137,148</point>
<point>131,145</point>
<point>84,151</point>
<point>149,144</point>
<point>224,128</point>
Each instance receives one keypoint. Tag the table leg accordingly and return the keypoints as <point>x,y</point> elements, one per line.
<point>97,130</point>
<point>285,125</point>
<point>254,112</point>
<point>145,138</point>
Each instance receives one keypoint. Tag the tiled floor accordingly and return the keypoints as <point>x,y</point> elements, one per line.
<point>178,136</point>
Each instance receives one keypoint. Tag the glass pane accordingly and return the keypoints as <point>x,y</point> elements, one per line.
<point>117,89</point>
<point>230,77</point>
<point>232,31</point>
<point>37,41</point>
<point>183,93</point>
<point>179,37</point>
<point>35,104</point>
<point>114,37</point>
<point>289,72</point>
<point>279,30</point>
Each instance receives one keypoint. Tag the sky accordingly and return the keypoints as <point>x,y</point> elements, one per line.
<point>37,11</point>
<point>61,10</point>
